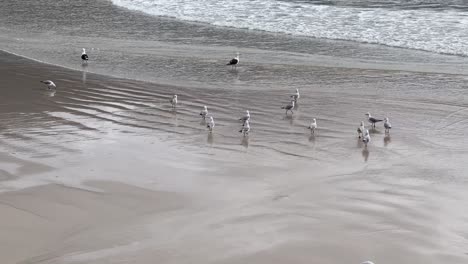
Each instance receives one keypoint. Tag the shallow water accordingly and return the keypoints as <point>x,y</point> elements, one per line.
<point>279,193</point>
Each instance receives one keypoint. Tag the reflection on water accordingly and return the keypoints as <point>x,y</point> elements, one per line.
<point>365,154</point>
<point>387,139</point>
<point>209,138</point>
<point>245,141</point>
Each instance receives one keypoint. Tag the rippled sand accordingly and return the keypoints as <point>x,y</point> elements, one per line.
<point>104,170</point>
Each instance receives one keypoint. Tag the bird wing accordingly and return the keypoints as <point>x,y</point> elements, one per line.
<point>233,61</point>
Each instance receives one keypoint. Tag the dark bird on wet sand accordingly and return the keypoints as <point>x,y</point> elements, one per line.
<point>234,61</point>
<point>289,107</point>
<point>84,56</point>
<point>50,84</point>
<point>372,120</point>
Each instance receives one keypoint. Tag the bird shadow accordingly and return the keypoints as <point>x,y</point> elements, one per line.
<point>365,154</point>
<point>387,140</point>
<point>245,141</point>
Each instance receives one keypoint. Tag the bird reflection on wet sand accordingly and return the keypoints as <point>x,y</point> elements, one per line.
<point>387,140</point>
<point>365,154</point>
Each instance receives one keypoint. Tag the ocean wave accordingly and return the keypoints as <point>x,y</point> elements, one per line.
<point>440,31</point>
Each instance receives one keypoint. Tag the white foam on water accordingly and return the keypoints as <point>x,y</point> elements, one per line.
<point>440,31</point>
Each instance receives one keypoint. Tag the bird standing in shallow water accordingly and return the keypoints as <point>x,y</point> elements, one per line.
<point>372,120</point>
<point>211,124</point>
<point>174,101</point>
<point>50,84</point>
<point>246,117</point>
<point>387,125</point>
<point>204,112</point>
<point>289,107</point>
<point>246,128</point>
<point>366,137</point>
<point>84,56</point>
<point>360,129</point>
<point>296,96</point>
<point>313,126</point>
<point>234,61</point>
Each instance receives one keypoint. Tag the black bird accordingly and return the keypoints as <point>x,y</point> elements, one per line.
<point>234,61</point>
<point>84,56</point>
<point>289,107</point>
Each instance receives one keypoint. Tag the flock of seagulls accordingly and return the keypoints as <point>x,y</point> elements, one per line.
<point>363,132</point>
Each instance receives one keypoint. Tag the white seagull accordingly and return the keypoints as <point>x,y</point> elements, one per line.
<point>246,117</point>
<point>372,120</point>
<point>246,128</point>
<point>174,100</point>
<point>289,107</point>
<point>296,96</point>
<point>366,137</point>
<point>204,112</point>
<point>360,129</point>
<point>234,61</point>
<point>313,126</point>
<point>50,84</point>
<point>210,124</point>
<point>84,56</point>
<point>387,125</point>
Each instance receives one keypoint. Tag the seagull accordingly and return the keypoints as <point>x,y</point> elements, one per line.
<point>84,56</point>
<point>296,96</point>
<point>246,117</point>
<point>174,100</point>
<point>204,112</point>
<point>289,107</point>
<point>387,125</point>
<point>360,129</point>
<point>234,61</point>
<point>366,137</point>
<point>210,124</point>
<point>50,84</point>
<point>313,126</point>
<point>246,128</point>
<point>372,120</point>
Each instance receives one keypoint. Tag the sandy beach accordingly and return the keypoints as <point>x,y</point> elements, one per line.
<point>104,171</point>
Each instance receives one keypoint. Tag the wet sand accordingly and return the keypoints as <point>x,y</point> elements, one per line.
<point>104,171</point>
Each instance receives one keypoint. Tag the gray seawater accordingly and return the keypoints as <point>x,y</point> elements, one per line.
<point>404,190</point>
